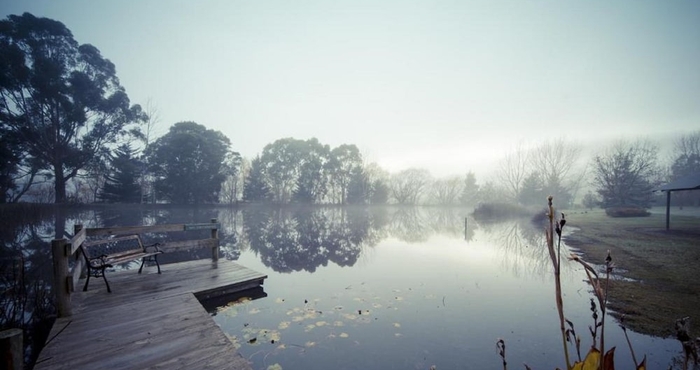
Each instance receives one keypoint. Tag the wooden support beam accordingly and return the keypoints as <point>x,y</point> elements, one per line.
<point>668,209</point>
<point>60,277</point>
<point>11,351</point>
<point>215,236</point>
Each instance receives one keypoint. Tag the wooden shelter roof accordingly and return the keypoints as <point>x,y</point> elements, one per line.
<point>689,182</point>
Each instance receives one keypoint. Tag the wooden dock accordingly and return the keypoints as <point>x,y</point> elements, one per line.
<point>149,321</point>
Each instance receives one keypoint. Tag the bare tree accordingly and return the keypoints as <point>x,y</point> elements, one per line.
<point>685,161</point>
<point>447,191</point>
<point>408,186</point>
<point>555,159</point>
<point>147,134</point>
<point>512,171</point>
<point>556,162</point>
<point>687,145</point>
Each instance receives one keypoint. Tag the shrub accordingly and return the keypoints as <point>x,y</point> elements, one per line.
<point>493,210</point>
<point>627,212</point>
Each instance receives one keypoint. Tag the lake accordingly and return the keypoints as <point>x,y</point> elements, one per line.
<point>384,288</point>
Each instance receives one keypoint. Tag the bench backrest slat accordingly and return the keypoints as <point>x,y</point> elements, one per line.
<point>122,244</point>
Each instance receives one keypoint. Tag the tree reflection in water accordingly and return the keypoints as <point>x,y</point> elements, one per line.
<point>523,248</point>
<point>286,239</point>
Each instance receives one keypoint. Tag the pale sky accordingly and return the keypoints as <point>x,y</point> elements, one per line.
<point>444,85</point>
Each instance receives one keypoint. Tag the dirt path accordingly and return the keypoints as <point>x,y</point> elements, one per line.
<point>662,267</point>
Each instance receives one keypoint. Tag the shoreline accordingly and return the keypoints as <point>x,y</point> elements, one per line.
<point>658,267</point>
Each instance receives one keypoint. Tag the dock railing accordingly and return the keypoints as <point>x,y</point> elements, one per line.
<point>66,250</point>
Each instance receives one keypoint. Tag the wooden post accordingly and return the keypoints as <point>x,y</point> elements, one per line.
<point>668,209</point>
<point>60,277</point>
<point>215,235</point>
<point>465,228</point>
<point>11,351</point>
<point>76,230</point>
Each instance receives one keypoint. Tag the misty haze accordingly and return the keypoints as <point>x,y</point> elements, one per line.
<point>420,185</point>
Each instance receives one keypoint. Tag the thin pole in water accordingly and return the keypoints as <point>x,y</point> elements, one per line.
<point>465,228</point>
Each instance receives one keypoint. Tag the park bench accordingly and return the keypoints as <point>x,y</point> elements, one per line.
<point>105,253</point>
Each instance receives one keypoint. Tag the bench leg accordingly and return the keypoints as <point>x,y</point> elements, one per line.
<point>104,276</point>
<point>143,260</point>
<point>87,281</point>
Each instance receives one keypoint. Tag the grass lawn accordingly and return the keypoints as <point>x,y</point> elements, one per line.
<point>661,266</point>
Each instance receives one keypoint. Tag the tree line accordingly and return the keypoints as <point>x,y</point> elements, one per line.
<point>68,133</point>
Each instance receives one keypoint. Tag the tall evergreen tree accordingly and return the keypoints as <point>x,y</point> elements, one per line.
<point>470,191</point>
<point>121,185</point>
<point>256,188</point>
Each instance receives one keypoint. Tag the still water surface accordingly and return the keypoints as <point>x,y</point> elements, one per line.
<point>378,288</point>
<point>416,292</point>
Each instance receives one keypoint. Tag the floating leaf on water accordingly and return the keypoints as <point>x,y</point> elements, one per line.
<point>330,336</point>
<point>281,346</point>
<point>283,325</point>
<point>358,299</point>
<point>338,323</point>
<point>231,312</point>
<point>397,334</point>
<point>397,325</point>
<point>310,344</point>
<point>344,335</point>
<point>310,314</point>
<point>298,318</point>
<point>274,336</point>
<point>349,316</point>
<point>338,308</point>
<point>279,300</point>
<point>249,330</point>
<point>275,367</point>
<point>377,305</point>
<point>309,328</point>
<point>321,323</point>
<point>294,310</point>
<point>253,311</point>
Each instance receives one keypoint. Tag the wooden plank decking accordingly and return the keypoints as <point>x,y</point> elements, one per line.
<point>149,320</point>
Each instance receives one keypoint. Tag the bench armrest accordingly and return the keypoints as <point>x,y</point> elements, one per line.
<point>154,248</point>
<point>101,262</point>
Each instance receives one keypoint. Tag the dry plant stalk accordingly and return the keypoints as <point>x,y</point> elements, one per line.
<point>596,358</point>
<point>556,261</point>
